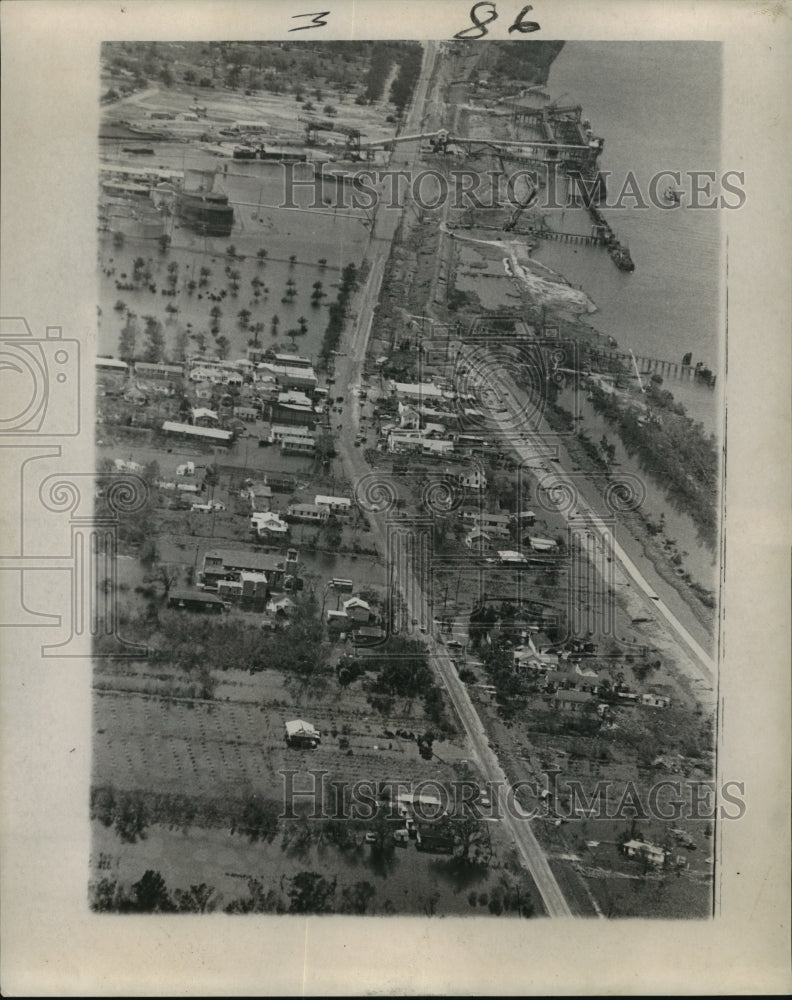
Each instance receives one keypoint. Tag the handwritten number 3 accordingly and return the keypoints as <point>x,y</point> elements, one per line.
<point>317,21</point>
<point>524,27</point>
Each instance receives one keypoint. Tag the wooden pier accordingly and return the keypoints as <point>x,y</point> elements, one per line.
<point>595,239</point>
<point>655,366</point>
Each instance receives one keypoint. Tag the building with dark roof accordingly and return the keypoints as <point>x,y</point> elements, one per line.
<point>196,600</point>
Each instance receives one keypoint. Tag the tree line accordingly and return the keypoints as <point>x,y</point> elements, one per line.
<point>337,313</point>
<point>672,449</point>
<point>306,892</point>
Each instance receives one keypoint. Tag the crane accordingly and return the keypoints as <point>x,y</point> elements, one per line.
<point>529,199</point>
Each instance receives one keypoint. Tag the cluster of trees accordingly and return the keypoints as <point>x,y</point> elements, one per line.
<point>380,62</point>
<point>410,58</point>
<point>511,896</point>
<point>483,620</point>
<point>131,812</point>
<point>253,65</point>
<point>674,450</point>
<point>511,689</point>
<point>405,673</point>
<point>125,811</point>
<point>154,350</point>
<point>306,892</point>
<point>195,644</point>
<point>338,312</point>
<point>528,63</point>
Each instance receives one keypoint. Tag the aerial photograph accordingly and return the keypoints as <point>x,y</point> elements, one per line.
<point>410,375</point>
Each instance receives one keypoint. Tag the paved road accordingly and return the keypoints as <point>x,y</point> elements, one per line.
<point>348,373</point>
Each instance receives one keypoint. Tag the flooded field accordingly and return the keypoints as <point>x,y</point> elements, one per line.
<point>273,317</point>
<point>406,882</point>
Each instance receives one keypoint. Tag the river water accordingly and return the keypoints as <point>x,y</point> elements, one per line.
<point>658,107</point>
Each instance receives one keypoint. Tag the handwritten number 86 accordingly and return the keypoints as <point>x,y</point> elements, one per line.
<point>524,27</point>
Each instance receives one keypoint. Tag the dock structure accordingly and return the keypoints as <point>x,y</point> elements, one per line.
<point>608,360</point>
<point>594,239</point>
<point>567,136</point>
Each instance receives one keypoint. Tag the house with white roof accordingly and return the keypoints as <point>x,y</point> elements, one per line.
<point>266,523</point>
<point>357,610</point>
<point>309,513</point>
<point>408,391</point>
<point>335,505</point>
<point>301,734</point>
<point>201,416</point>
<point>542,544</point>
<point>280,431</point>
<point>508,557</point>
<point>282,606</point>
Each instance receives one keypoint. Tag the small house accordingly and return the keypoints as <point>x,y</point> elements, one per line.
<point>339,619</point>
<point>541,544</point>
<point>475,480</point>
<point>308,513</point>
<point>197,600</point>
<point>640,849</point>
<point>357,610</point>
<point>478,541</point>
<point>203,417</point>
<point>265,523</point>
<point>334,505</point>
<point>302,735</point>
<point>572,701</point>
<point>247,413</point>
<point>282,606</point>
<point>658,696</point>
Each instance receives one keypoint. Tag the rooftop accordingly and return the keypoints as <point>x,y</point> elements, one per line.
<point>337,501</point>
<point>241,559</point>
<point>575,696</point>
<point>211,433</point>
<point>194,595</point>
<point>298,727</point>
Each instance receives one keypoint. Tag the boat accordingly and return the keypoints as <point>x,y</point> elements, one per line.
<point>620,256</point>
<point>146,150</point>
<point>202,208</point>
